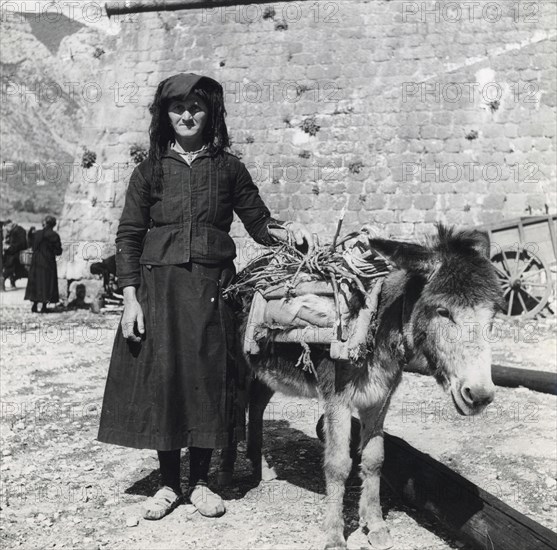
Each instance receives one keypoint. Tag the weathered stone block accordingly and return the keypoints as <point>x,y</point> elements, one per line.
<point>399,202</point>
<point>424,202</point>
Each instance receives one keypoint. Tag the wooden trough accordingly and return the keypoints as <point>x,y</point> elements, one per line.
<point>471,514</point>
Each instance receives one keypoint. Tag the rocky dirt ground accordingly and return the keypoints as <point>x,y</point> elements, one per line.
<point>62,489</point>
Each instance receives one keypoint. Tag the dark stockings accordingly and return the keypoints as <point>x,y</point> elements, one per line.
<point>200,460</point>
<point>170,469</point>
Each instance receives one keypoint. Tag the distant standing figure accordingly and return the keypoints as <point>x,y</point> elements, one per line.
<point>2,256</point>
<point>30,235</point>
<point>43,275</point>
<point>16,241</point>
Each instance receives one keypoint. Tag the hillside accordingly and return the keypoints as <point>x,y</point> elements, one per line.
<point>47,70</point>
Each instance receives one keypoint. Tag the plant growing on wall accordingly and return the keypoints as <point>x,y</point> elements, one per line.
<point>494,105</point>
<point>269,12</point>
<point>310,126</point>
<point>355,167</point>
<point>302,88</point>
<point>88,158</point>
<point>138,153</point>
<point>472,135</point>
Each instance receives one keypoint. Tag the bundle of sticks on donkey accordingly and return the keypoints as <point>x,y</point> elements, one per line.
<point>448,282</point>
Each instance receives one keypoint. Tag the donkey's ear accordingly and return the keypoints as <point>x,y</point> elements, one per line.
<point>478,241</point>
<point>410,256</point>
<point>449,239</point>
<point>472,239</point>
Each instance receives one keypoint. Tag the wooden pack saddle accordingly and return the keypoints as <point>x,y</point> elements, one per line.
<point>312,312</point>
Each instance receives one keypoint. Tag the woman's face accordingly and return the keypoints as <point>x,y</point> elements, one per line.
<point>188,116</point>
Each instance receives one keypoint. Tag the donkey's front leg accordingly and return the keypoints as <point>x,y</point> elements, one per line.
<point>337,466</point>
<point>371,445</point>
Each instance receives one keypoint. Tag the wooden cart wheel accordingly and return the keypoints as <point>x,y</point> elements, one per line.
<point>525,280</point>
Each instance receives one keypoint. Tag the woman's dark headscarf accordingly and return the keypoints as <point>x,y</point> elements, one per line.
<point>50,221</point>
<point>161,133</point>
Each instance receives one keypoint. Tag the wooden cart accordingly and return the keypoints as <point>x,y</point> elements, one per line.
<point>524,253</point>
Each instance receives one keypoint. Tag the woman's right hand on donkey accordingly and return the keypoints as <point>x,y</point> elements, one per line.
<point>132,316</point>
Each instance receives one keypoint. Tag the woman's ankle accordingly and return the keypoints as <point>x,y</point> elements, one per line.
<point>176,489</point>
<point>193,482</point>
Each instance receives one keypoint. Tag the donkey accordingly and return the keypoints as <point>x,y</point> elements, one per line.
<point>445,287</point>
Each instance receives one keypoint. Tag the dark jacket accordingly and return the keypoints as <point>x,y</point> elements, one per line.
<point>190,219</point>
<point>16,240</point>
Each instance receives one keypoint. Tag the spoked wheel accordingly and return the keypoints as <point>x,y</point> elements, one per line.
<point>525,280</point>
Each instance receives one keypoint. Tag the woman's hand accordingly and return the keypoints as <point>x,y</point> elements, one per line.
<point>299,233</point>
<point>293,232</point>
<point>132,314</point>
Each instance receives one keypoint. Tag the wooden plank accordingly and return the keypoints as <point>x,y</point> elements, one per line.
<point>309,335</point>
<point>255,318</point>
<point>139,6</point>
<point>359,327</point>
<point>521,234</point>
<point>470,513</point>
<point>509,224</point>
<point>319,288</point>
<point>552,220</point>
<point>538,239</point>
<point>511,377</point>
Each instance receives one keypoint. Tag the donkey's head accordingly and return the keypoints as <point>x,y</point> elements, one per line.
<point>450,297</point>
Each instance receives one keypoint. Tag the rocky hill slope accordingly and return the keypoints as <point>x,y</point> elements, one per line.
<point>48,64</point>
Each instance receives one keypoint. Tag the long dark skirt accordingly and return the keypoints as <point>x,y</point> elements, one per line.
<point>42,284</point>
<point>180,386</point>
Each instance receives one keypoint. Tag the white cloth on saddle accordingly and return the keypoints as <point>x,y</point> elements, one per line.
<point>302,311</point>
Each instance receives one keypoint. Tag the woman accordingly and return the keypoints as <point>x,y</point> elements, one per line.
<point>42,284</point>
<point>173,381</point>
<point>16,242</point>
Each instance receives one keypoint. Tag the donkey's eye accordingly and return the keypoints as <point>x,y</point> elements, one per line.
<point>444,312</point>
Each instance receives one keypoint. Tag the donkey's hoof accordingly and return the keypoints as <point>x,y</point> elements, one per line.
<point>224,479</point>
<point>380,539</point>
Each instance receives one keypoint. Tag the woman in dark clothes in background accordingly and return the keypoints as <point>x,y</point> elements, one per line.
<point>16,242</point>
<point>42,284</point>
<point>173,381</point>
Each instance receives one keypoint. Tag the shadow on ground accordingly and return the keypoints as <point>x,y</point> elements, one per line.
<point>297,460</point>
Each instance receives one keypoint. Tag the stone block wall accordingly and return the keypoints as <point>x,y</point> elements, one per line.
<point>404,113</point>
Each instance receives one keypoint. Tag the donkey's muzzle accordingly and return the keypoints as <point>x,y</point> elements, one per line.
<point>477,396</point>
